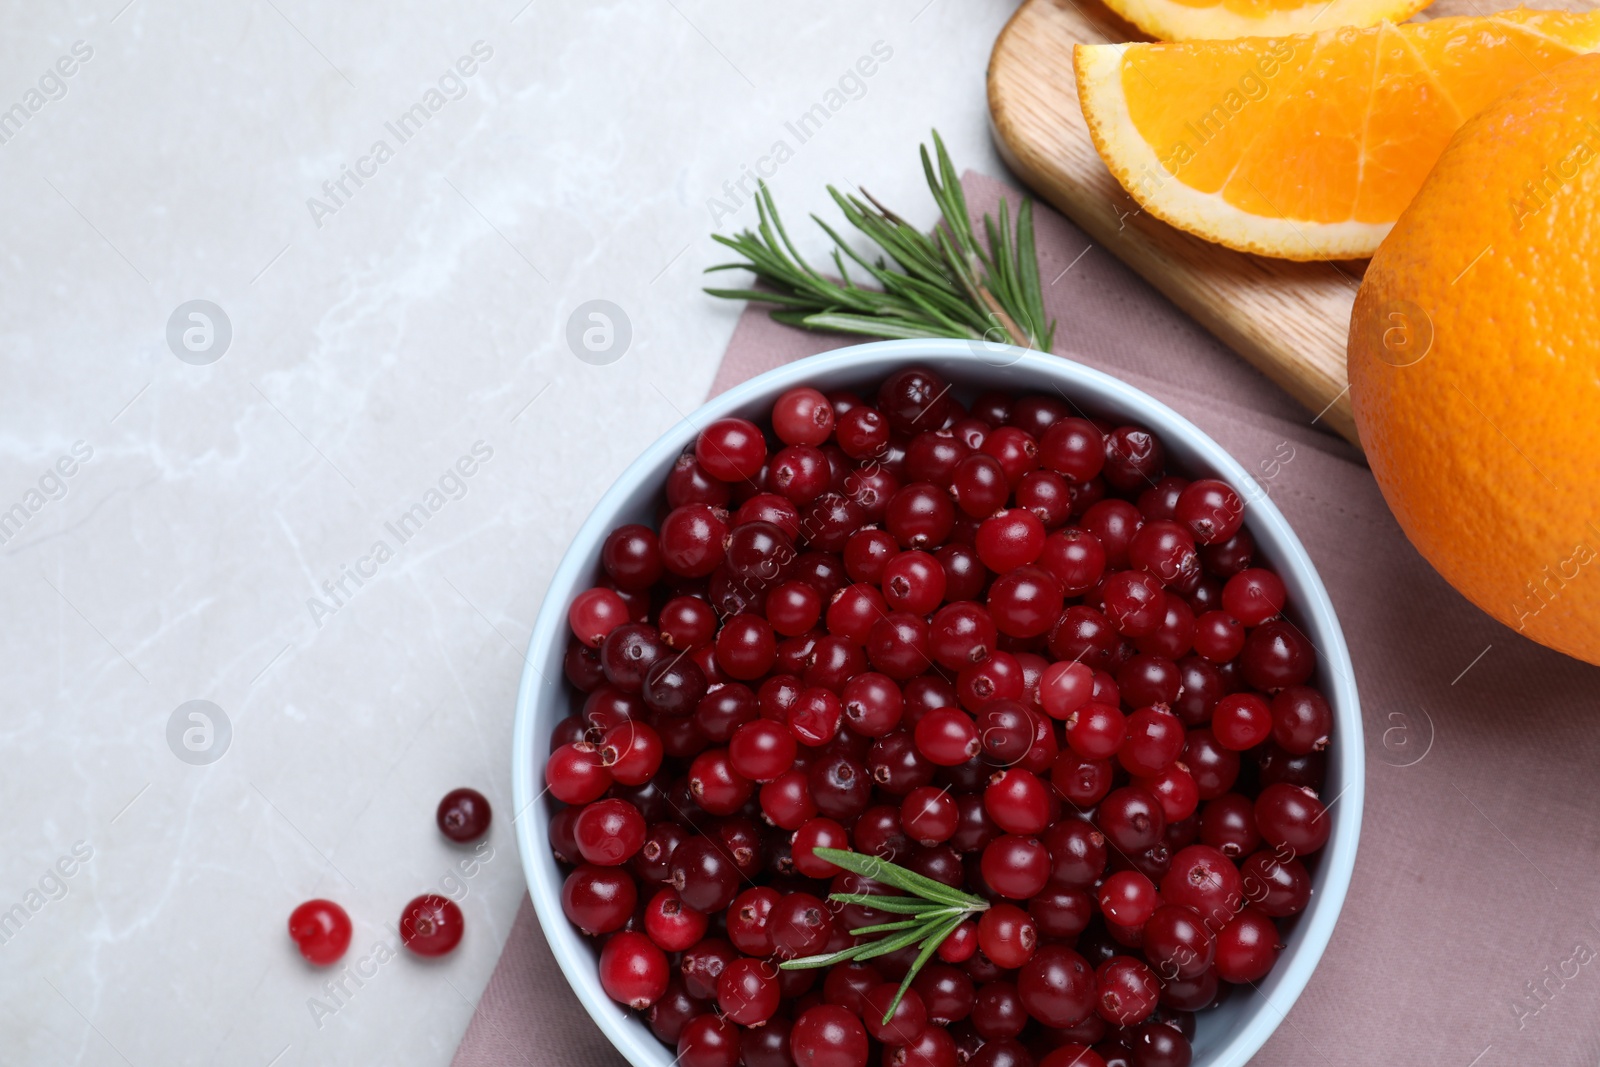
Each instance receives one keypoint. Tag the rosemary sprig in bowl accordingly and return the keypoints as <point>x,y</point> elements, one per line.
<point>948,282</point>
<point>932,912</point>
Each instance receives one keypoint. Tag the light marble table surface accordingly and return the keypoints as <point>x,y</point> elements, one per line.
<point>187,489</point>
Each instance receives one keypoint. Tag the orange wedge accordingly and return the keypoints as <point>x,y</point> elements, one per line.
<point>1185,20</point>
<point>1306,147</point>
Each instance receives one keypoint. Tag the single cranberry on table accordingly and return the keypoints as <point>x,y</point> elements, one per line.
<point>463,815</point>
<point>321,930</point>
<point>432,925</point>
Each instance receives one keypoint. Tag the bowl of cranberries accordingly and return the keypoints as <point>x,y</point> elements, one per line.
<point>923,704</point>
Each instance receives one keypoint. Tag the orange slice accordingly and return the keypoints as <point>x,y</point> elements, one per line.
<point>1306,147</point>
<point>1185,20</point>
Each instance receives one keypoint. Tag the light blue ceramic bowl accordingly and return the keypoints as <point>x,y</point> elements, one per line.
<point>1228,1035</point>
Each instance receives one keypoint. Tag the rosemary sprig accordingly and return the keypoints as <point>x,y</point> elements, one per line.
<point>948,282</point>
<point>935,910</point>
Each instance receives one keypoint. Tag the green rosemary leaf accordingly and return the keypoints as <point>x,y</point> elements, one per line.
<point>929,947</point>
<point>942,283</point>
<point>892,329</point>
<point>884,946</point>
<point>893,905</point>
<point>885,928</point>
<point>805,963</point>
<point>881,870</point>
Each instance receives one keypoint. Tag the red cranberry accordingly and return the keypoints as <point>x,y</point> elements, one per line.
<point>1057,986</point>
<point>321,930</point>
<point>609,832</point>
<point>633,971</point>
<point>828,1036</point>
<point>463,815</point>
<point>432,925</point>
<point>709,1041</point>
<point>1247,947</point>
<point>1211,510</point>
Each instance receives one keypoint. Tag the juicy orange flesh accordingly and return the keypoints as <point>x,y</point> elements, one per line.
<point>1334,126</point>
<point>1249,8</point>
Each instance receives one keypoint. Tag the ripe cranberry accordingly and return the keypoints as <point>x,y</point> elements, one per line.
<point>704,876</point>
<point>913,400</point>
<point>929,816</point>
<point>934,1047</point>
<point>1253,596</point>
<point>1241,721</point>
<point>671,924</point>
<point>1247,947</point>
<point>1213,767</point>
<point>1007,935</point>
<point>932,456</point>
<point>1228,824</point>
<point>914,582</point>
<point>979,486</point>
<point>1134,458</point>
<point>1131,819</point>
<point>574,773</point>
<point>897,645</point>
<point>1096,731</point>
<point>1081,780</point>
<point>686,623</point>
<point>1156,1044</point>
<point>432,925</point>
<point>463,815</point>
<point>1276,656</point>
<point>872,704</point>
<point>1203,879</point>
<point>715,785</point>
<point>1083,635</point>
<point>1155,738</point>
<point>1126,991</point>
<point>1112,523</point>
<point>1025,602</point>
<point>731,449</point>
<point>595,613</point>
<point>815,716</point>
<point>321,930</point>
<point>761,750</point>
<point>802,416</point>
<point>1017,801</point>
<point>1074,448</point>
<point>598,900</point>
<point>904,1025</point>
<point>1301,720</point>
<point>1211,510</point>
<point>814,834</point>
<point>633,970</point>
<point>947,993</point>
<point>1277,887</point>
<point>947,737</point>
<point>1178,943</point>
<point>828,1036</point>
<point>1015,867</point>
<point>1128,898</point>
<point>1057,986</point>
<point>840,786</point>
<point>747,991</point>
<point>709,1040</point>
<point>1060,912</point>
<point>793,608</point>
<point>1293,818</point>
<point>999,677</point>
<point>692,538</point>
<point>920,515</point>
<point>609,832</point>
<point>703,964</point>
<point>672,1011</point>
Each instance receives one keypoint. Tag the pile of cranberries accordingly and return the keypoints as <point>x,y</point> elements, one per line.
<point>999,644</point>
<point>430,925</point>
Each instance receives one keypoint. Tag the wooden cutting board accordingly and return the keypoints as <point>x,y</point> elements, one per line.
<point>1287,319</point>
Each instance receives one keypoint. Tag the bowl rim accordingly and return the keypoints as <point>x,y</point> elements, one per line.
<point>1315,928</point>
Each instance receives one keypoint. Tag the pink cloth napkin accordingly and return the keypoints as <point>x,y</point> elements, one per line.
<point>1471,931</point>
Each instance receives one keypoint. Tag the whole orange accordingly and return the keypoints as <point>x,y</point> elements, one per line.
<point>1475,361</point>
